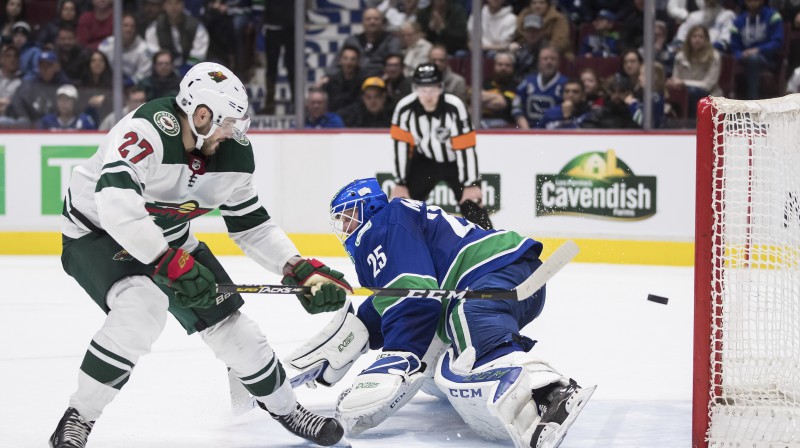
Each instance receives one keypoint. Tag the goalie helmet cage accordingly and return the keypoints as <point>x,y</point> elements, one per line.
<point>746,390</point>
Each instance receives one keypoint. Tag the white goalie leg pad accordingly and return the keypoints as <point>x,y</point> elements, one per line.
<point>495,399</point>
<point>379,391</point>
<point>327,356</point>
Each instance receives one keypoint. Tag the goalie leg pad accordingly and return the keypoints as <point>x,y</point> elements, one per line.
<point>380,390</point>
<point>495,399</point>
<point>327,356</point>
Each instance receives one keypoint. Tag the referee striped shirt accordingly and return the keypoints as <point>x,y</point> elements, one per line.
<point>444,135</point>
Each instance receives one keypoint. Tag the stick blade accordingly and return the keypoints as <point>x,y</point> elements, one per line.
<point>550,267</point>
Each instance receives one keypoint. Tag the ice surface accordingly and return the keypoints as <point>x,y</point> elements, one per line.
<point>597,327</point>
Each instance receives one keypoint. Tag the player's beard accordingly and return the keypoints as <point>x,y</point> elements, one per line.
<point>209,147</point>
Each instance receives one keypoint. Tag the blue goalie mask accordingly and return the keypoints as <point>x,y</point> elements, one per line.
<point>355,204</point>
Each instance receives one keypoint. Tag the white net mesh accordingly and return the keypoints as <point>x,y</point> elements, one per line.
<point>755,334</point>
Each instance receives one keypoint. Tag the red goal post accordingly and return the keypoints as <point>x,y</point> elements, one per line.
<point>746,390</point>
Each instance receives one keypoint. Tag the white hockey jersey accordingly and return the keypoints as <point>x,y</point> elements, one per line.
<point>143,188</point>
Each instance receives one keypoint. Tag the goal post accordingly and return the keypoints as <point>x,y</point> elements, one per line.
<point>746,389</point>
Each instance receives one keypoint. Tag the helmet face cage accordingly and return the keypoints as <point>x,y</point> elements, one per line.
<point>354,205</point>
<point>346,218</point>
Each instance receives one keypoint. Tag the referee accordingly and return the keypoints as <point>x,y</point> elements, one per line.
<point>434,141</point>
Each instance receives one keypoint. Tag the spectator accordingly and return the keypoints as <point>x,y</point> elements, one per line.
<point>592,88</point>
<point>28,52</point>
<point>96,86</point>
<point>397,85</point>
<point>549,27</point>
<point>498,93</point>
<point>679,10</point>
<point>65,117</point>
<point>539,91</point>
<point>279,32</point>
<point>97,24</point>
<point>148,13</point>
<point>67,15</point>
<point>136,58</point>
<point>526,48</point>
<point>697,66</point>
<point>372,110</point>
<point>571,112</point>
<point>396,14</point>
<point>164,80</point>
<point>664,52</point>
<point>453,82</point>
<point>374,43</point>
<point>72,57</point>
<point>416,48</point>
<point>603,41</point>
<point>239,14</point>
<point>616,113</point>
<point>658,98</point>
<point>445,22</point>
<point>632,36</point>
<point>497,25</point>
<point>35,97</point>
<point>135,97</point>
<point>214,16</point>
<point>192,43</point>
<point>317,114</point>
<point>631,63</point>
<point>344,86</point>
<point>715,18</point>
<point>14,12</point>
<point>756,39</point>
<point>10,76</point>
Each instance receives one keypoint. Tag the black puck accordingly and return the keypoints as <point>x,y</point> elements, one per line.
<point>657,299</point>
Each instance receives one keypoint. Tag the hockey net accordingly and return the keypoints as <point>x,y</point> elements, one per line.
<point>747,274</point>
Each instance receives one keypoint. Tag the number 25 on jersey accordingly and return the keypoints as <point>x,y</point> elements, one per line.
<point>377,260</point>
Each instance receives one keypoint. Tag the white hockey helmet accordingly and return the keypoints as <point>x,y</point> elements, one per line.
<point>216,87</point>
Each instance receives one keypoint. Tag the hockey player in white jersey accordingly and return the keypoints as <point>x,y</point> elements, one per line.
<point>127,241</point>
<point>471,349</point>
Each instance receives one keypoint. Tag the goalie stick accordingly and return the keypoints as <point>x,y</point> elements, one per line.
<point>550,267</point>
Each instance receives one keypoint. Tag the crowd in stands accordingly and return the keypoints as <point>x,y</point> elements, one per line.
<point>548,64</point>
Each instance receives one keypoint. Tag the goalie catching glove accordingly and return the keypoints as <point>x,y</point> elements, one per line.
<point>329,289</point>
<point>193,283</point>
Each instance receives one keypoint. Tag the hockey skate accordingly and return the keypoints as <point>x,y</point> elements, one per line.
<point>321,430</point>
<point>72,431</point>
<point>560,407</point>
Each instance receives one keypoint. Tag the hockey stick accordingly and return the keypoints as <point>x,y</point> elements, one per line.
<point>550,267</point>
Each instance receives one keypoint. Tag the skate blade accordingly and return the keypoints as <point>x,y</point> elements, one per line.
<point>343,443</point>
<point>554,439</point>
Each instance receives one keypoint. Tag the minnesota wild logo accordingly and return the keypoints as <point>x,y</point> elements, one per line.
<point>123,255</point>
<point>167,215</point>
<point>167,123</point>
<point>596,184</point>
<point>217,76</point>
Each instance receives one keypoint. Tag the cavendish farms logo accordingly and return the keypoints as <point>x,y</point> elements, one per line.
<point>596,184</point>
<point>168,215</point>
<point>217,76</point>
<point>167,123</point>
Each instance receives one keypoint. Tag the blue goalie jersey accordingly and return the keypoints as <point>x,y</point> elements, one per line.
<point>412,245</point>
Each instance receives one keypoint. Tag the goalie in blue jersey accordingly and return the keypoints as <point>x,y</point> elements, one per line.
<point>471,349</point>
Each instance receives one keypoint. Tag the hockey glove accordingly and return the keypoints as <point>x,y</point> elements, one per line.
<point>193,283</point>
<point>329,289</point>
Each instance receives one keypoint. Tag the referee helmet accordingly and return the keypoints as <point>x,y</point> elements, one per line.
<point>427,74</point>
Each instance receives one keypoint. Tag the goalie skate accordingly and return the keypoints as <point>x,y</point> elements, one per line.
<point>564,405</point>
